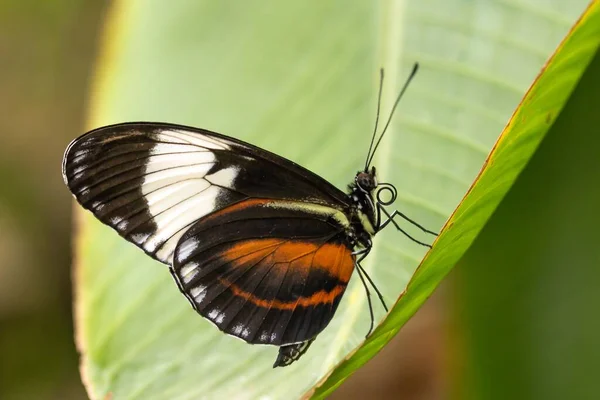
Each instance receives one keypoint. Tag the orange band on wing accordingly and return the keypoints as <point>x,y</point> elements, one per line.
<point>237,253</point>
<point>337,259</point>
<point>320,297</point>
<point>334,258</point>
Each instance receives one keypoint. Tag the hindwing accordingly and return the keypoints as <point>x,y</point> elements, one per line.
<point>267,271</point>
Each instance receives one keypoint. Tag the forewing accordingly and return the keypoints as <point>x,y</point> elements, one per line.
<point>152,181</point>
<point>266,271</point>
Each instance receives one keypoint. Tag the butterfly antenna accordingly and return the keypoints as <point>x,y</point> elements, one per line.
<point>376,118</point>
<point>412,74</point>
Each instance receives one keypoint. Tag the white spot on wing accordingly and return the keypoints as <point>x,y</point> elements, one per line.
<point>237,329</point>
<point>190,276</point>
<point>224,177</point>
<point>188,272</point>
<point>170,193</point>
<point>175,189</point>
<point>213,313</point>
<point>196,290</point>
<point>116,220</point>
<point>198,293</point>
<point>166,251</point>
<point>171,222</point>
<point>185,249</point>
<point>176,165</point>
<point>139,238</point>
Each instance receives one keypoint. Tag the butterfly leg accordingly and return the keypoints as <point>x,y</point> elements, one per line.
<point>391,220</point>
<point>360,271</point>
<point>403,216</point>
<point>362,274</point>
<point>363,254</point>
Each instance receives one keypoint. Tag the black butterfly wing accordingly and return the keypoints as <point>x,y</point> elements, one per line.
<point>267,271</point>
<point>152,181</point>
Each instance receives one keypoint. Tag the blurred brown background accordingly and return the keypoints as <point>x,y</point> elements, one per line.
<point>523,325</point>
<point>46,55</point>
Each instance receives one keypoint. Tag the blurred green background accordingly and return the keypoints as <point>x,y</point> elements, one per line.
<point>517,318</point>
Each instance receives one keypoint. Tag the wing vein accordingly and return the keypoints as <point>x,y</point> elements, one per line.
<point>102,160</point>
<point>150,217</point>
<point>123,172</point>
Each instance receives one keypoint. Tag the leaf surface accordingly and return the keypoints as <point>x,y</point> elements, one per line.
<point>300,79</point>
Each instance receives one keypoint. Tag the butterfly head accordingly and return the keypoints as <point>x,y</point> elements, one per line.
<point>368,194</point>
<point>366,180</point>
<point>363,194</point>
<point>366,183</point>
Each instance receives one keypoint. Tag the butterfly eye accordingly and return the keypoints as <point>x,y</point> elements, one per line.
<point>366,181</point>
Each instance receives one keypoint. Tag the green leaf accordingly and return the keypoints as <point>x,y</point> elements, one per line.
<point>524,305</point>
<point>515,146</point>
<point>300,78</point>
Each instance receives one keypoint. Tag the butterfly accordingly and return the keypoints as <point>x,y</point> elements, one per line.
<point>259,245</point>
